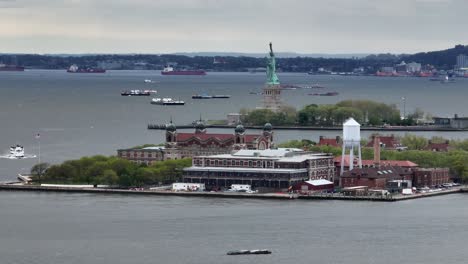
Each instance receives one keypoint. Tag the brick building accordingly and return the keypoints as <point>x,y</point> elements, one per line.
<point>147,155</point>
<point>431,177</point>
<point>183,145</point>
<point>333,142</point>
<point>273,168</point>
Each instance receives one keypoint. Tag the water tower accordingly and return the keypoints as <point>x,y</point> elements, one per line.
<point>351,140</point>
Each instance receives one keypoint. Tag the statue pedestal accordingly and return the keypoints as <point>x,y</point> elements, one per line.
<point>272,97</point>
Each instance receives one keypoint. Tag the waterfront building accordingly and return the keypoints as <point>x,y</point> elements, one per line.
<point>148,155</point>
<point>451,122</point>
<point>462,61</point>
<point>271,168</point>
<point>430,177</point>
<point>272,88</point>
<point>186,145</point>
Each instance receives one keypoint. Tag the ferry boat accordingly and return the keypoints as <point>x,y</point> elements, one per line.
<point>168,70</point>
<point>75,69</point>
<point>16,152</point>
<point>166,101</point>
<point>4,67</point>
<point>137,92</point>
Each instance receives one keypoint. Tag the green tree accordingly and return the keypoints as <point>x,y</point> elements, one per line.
<point>414,142</point>
<point>39,169</point>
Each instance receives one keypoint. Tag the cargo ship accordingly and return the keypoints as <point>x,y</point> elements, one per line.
<point>4,67</point>
<point>75,69</point>
<point>168,70</point>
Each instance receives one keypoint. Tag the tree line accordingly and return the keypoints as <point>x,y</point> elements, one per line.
<point>363,111</point>
<point>110,171</point>
<point>444,59</point>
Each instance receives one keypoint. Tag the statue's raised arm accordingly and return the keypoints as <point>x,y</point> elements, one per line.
<point>271,48</point>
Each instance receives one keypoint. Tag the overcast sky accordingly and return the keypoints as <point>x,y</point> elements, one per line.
<point>161,26</point>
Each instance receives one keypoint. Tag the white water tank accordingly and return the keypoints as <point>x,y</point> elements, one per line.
<point>351,133</point>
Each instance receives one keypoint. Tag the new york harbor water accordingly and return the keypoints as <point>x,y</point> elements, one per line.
<point>84,114</point>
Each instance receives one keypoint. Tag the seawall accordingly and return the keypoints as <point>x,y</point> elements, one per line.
<point>277,196</point>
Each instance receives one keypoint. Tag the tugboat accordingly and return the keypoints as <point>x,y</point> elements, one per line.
<point>166,101</point>
<point>137,92</point>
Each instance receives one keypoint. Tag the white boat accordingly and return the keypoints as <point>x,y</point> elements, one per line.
<point>166,101</point>
<point>148,81</point>
<point>17,152</point>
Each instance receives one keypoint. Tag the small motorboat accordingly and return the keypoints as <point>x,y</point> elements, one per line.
<point>249,252</point>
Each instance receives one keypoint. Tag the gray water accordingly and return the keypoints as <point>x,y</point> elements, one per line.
<point>84,114</point>
<point>100,229</point>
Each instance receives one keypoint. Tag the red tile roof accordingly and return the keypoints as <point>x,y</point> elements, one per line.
<point>217,137</point>
<point>369,163</point>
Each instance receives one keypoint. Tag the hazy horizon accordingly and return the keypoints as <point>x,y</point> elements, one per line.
<point>162,27</point>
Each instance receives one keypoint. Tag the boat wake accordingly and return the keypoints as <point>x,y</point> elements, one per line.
<point>26,156</point>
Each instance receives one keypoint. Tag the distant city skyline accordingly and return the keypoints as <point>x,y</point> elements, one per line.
<point>300,26</point>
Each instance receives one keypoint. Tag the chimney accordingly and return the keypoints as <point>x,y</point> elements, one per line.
<point>377,151</point>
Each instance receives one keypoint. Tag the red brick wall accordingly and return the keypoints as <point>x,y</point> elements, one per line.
<point>431,177</point>
<point>376,183</point>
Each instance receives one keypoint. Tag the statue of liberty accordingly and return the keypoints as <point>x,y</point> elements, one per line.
<point>271,68</point>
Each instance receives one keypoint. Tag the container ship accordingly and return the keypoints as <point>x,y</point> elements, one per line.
<point>170,71</point>
<point>4,67</point>
<point>75,69</point>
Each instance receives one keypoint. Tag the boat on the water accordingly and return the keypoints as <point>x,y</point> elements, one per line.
<point>75,69</point>
<point>168,70</point>
<point>201,96</point>
<point>221,96</point>
<point>250,252</point>
<point>324,94</point>
<point>137,92</point>
<point>17,152</point>
<point>166,101</point>
<point>5,67</point>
